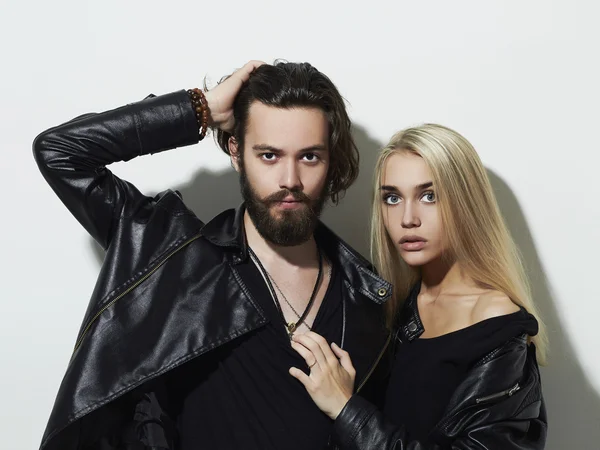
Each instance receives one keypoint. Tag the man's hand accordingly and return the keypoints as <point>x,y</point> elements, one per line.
<point>220,99</point>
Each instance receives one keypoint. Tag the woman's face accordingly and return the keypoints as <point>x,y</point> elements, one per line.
<point>410,210</point>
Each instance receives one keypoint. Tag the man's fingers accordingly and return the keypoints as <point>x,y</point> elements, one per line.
<point>247,69</point>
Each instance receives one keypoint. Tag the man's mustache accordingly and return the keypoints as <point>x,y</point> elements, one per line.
<point>279,196</point>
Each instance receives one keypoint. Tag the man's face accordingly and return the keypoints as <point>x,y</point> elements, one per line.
<point>283,171</point>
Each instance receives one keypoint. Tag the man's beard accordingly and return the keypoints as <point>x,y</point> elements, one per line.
<point>292,227</point>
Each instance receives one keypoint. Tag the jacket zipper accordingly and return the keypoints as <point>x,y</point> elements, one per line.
<point>381,353</point>
<point>129,289</point>
<point>507,392</point>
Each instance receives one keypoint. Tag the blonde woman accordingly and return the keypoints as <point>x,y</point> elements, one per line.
<point>467,335</point>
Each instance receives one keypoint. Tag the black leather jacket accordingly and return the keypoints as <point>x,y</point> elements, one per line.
<point>142,320</point>
<point>499,405</point>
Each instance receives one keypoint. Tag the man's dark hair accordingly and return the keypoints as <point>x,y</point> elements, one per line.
<point>289,85</point>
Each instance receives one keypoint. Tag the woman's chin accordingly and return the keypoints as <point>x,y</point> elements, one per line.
<point>415,259</point>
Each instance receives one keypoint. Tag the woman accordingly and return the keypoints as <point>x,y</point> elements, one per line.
<point>465,373</point>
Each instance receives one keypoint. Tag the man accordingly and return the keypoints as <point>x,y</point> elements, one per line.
<point>186,341</point>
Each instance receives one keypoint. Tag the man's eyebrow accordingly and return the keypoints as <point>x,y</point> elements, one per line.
<point>265,147</point>
<point>270,148</point>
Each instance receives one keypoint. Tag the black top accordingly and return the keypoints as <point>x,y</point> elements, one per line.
<point>241,395</point>
<point>426,372</point>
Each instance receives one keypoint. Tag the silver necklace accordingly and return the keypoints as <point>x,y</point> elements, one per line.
<point>288,302</point>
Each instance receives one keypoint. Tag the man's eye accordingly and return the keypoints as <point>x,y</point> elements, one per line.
<point>268,156</point>
<point>311,157</point>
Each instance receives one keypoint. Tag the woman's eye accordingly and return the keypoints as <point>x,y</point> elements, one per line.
<point>391,199</point>
<point>428,197</point>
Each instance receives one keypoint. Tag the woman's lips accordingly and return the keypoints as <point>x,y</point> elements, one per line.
<point>412,246</point>
<point>412,243</point>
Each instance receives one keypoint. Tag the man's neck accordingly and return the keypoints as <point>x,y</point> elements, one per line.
<point>301,256</point>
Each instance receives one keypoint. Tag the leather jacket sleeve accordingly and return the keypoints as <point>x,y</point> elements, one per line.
<point>511,422</point>
<point>73,156</point>
<point>361,426</point>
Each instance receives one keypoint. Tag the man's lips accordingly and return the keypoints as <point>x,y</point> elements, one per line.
<point>289,203</point>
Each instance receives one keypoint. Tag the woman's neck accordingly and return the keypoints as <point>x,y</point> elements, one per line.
<point>443,276</point>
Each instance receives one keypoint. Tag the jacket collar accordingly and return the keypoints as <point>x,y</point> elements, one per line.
<point>226,230</point>
<point>410,326</point>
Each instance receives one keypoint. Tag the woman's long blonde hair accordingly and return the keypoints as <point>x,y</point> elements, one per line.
<point>474,229</point>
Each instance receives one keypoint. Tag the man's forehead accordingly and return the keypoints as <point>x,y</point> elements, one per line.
<point>286,128</point>
<point>258,109</point>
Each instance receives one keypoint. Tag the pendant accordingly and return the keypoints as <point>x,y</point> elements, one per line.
<point>291,327</point>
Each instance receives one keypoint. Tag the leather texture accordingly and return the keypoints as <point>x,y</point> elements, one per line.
<point>499,405</point>
<point>168,290</point>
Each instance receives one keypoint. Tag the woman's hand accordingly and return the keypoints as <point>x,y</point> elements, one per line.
<point>331,380</point>
<point>220,99</point>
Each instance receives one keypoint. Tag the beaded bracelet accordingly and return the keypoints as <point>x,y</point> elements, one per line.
<point>201,109</point>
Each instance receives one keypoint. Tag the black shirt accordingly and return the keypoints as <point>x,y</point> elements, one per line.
<point>426,372</point>
<point>241,395</point>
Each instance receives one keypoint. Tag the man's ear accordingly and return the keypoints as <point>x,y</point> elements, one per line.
<point>234,153</point>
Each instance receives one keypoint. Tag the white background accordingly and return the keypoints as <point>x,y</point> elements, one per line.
<point>518,78</point>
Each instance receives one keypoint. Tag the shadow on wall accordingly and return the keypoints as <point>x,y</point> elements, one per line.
<point>351,217</point>
<point>572,403</point>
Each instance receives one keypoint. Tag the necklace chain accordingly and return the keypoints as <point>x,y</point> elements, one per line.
<point>292,326</point>
<point>287,301</point>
